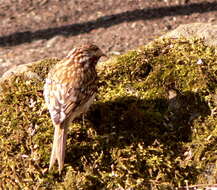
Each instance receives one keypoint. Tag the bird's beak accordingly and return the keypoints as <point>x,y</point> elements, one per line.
<point>101,54</point>
<point>104,55</point>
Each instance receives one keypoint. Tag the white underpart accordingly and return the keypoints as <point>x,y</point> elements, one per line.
<point>46,95</point>
<point>62,115</point>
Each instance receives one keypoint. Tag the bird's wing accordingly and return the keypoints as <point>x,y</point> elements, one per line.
<point>63,96</point>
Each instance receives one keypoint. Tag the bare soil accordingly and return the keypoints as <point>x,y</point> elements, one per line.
<point>31,30</point>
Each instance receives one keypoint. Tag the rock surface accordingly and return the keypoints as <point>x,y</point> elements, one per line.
<point>153,123</point>
<point>205,31</point>
<point>116,26</point>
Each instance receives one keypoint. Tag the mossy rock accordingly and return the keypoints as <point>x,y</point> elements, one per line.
<point>153,124</point>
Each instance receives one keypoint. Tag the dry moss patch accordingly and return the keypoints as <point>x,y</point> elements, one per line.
<point>153,124</point>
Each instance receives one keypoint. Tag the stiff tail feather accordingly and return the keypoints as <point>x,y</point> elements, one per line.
<point>59,146</point>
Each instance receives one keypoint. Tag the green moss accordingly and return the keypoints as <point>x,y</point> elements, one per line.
<point>136,135</point>
<point>41,68</point>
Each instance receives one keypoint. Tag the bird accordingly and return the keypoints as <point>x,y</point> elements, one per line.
<point>69,90</point>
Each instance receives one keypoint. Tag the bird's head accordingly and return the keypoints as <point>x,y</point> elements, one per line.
<point>86,52</point>
<point>94,51</point>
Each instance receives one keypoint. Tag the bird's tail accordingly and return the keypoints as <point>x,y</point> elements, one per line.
<point>59,146</point>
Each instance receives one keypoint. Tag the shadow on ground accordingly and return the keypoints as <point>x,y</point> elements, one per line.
<point>106,22</point>
<point>128,121</point>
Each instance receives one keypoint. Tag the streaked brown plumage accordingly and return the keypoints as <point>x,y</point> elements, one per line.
<point>69,91</point>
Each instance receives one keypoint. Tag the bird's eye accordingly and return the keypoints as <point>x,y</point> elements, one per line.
<point>94,48</point>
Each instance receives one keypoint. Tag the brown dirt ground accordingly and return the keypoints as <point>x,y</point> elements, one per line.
<point>34,29</point>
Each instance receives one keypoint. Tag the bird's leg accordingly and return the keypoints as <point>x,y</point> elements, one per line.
<point>83,119</point>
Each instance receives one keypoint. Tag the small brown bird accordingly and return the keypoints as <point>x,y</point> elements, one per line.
<point>69,90</point>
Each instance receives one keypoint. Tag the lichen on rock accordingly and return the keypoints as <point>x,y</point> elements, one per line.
<point>153,123</point>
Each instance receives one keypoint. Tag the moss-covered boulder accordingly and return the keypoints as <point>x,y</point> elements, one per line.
<point>152,126</point>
